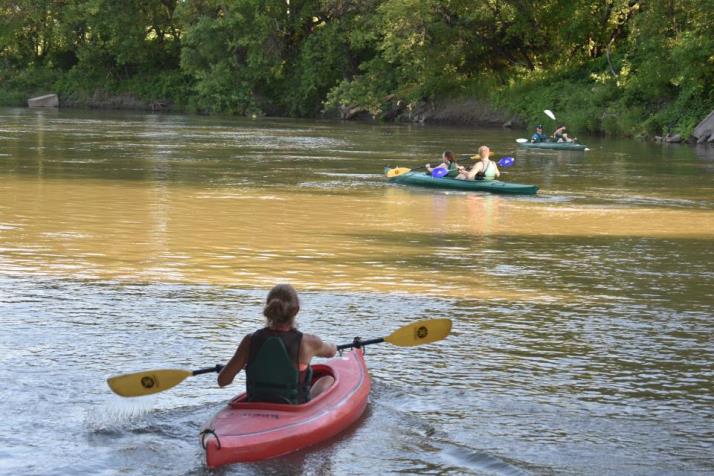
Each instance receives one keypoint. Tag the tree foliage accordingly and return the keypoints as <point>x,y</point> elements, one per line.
<point>614,66</point>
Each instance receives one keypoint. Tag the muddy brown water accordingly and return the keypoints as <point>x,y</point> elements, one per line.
<point>582,340</point>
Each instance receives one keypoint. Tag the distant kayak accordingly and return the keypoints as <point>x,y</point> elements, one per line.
<point>553,145</point>
<point>421,179</point>
<point>253,431</point>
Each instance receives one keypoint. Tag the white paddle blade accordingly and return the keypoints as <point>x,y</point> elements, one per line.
<point>549,113</point>
<point>521,140</point>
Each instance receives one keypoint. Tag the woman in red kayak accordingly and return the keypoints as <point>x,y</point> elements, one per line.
<point>277,358</point>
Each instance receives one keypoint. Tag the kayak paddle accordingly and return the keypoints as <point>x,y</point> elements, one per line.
<point>506,162</point>
<point>397,171</point>
<point>521,140</point>
<point>502,162</point>
<point>138,384</point>
<point>416,333</point>
<point>549,113</point>
<point>440,172</point>
<point>152,381</point>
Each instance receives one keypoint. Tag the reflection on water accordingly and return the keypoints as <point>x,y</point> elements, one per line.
<point>582,316</point>
<point>387,239</point>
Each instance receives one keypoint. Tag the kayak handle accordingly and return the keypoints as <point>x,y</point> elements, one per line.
<point>208,370</point>
<point>203,438</point>
<point>358,342</point>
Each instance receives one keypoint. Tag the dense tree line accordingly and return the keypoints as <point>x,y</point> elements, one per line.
<point>615,66</point>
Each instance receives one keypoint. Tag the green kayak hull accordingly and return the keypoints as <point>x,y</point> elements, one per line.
<point>421,179</point>
<point>553,145</point>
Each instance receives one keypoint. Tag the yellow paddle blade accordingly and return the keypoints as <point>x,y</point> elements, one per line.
<point>397,171</point>
<point>146,382</point>
<point>420,332</point>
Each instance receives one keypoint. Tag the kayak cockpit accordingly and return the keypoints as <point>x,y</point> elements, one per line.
<point>318,370</point>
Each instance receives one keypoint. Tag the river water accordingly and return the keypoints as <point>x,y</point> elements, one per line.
<point>583,316</point>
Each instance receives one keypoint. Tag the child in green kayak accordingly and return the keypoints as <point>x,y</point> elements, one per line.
<point>448,162</point>
<point>276,358</point>
<point>561,135</point>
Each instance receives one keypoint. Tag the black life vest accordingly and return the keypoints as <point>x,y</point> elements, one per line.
<point>272,371</point>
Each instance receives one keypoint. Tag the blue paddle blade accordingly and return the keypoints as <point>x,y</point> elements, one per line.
<point>439,172</point>
<point>506,161</point>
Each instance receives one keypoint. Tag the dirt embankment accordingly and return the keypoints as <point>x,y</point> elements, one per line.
<point>103,100</point>
<point>467,111</point>
<point>455,111</point>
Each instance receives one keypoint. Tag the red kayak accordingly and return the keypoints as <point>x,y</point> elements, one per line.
<point>251,431</point>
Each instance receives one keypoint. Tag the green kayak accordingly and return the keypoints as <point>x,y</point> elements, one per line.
<point>553,145</point>
<point>422,179</point>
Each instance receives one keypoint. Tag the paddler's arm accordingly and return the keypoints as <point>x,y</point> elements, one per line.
<point>318,348</point>
<point>236,364</point>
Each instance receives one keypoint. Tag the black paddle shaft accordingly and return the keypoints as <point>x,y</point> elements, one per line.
<point>208,370</point>
<point>359,343</point>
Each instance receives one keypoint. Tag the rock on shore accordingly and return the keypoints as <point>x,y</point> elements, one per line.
<point>704,132</point>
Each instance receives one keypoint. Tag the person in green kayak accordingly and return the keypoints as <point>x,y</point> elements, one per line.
<point>484,169</point>
<point>448,162</point>
<point>277,357</point>
<point>561,135</point>
<point>538,136</point>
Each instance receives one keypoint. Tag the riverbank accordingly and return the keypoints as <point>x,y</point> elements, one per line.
<point>500,111</point>
<point>456,112</point>
<point>445,111</point>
